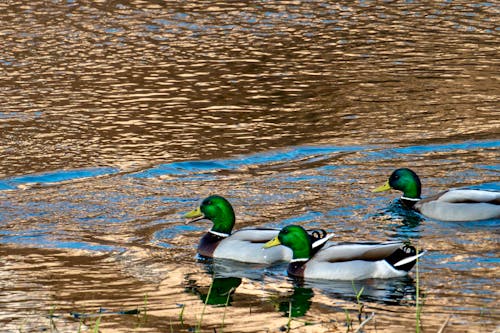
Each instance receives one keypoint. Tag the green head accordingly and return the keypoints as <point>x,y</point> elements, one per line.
<point>404,180</point>
<point>216,209</point>
<point>296,238</point>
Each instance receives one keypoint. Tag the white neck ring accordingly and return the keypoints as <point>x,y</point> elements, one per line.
<point>410,199</point>
<point>220,234</point>
<point>299,260</point>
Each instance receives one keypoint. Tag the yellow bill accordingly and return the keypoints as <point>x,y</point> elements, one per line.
<point>383,188</point>
<point>194,215</point>
<point>273,242</point>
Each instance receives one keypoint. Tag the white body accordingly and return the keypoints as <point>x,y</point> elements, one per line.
<point>345,262</point>
<point>450,205</point>
<point>352,270</point>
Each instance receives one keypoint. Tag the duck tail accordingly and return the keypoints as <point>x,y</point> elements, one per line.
<point>318,237</point>
<point>316,234</point>
<point>404,258</point>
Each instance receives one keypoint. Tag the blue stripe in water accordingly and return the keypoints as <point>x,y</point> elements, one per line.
<point>395,153</point>
<point>4,186</point>
<point>55,177</point>
<point>468,145</point>
<point>310,154</point>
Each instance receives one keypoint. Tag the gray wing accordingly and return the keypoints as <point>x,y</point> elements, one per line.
<point>255,235</point>
<point>466,196</point>
<point>369,251</point>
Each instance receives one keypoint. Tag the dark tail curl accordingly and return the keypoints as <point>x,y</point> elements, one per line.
<point>316,234</point>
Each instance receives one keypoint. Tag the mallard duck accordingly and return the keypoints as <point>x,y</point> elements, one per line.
<point>344,261</point>
<point>243,245</point>
<point>450,205</point>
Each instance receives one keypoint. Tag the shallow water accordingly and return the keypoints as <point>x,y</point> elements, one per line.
<point>118,117</point>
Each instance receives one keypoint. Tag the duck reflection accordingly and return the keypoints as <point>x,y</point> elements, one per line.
<point>298,303</point>
<point>219,292</point>
<point>226,278</point>
<point>411,219</point>
<point>406,222</point>
<point>230,268</point>
<point>395,291</point>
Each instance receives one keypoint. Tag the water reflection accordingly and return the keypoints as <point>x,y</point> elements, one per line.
<point>396,291</point>
<point>226,276</point>
<point>219,292</point>
<point>222,268</point>
<point>147,91</point>
<point>297,304</point>
<point>410,218</point>
<point>405,223</point>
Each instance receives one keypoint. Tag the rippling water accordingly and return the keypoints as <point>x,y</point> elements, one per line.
<point>117,117</point>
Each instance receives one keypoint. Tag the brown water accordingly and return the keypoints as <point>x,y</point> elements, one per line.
<point>117,117</point>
